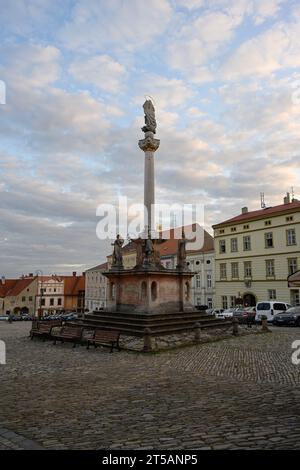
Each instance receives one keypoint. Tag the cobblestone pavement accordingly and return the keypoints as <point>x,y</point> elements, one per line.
<point>238,393</point>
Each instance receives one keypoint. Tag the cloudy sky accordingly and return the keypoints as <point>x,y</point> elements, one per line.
<point>225,78</point>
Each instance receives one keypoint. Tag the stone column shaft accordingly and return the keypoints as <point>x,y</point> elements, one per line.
<point>149,145</point>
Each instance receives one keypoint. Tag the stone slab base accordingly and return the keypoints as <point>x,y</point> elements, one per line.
<point>172,341</point>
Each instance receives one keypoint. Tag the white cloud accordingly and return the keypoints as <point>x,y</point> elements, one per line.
<point>32,65</point>
<point>128,25</point>
<point>101,71</point>
<point>190,4</point>
<point>200,40</point>
<point>272,50</point>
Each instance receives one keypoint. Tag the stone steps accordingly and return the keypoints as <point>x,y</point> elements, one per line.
<point>159,324</point>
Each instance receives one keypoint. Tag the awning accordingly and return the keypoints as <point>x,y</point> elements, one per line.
<point>294,279</point>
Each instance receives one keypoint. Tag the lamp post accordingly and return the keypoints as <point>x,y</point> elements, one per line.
<point>39,271</point>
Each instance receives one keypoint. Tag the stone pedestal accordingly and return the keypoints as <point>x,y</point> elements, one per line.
<point>149,291</point>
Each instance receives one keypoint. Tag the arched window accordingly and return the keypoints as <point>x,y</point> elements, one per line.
<point>153,291</point>
<point>144,290</point>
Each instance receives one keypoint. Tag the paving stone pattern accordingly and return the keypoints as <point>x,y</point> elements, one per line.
<point>239,393</point>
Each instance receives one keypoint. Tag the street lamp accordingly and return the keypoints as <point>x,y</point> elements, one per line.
<point>39,271</point>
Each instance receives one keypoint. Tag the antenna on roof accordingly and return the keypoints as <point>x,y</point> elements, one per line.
<point>293,194</point>
<point>262,200</point>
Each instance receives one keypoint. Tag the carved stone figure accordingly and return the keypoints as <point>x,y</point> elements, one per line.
<point>181,254</point>
<point>117,254</point>
<point>150,121</point>
<point>149,248</point>
<point>139,251</point>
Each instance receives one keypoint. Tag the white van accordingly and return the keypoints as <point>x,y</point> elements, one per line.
<point>269,308</point>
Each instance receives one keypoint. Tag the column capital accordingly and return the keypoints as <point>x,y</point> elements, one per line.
<point>149,144</point>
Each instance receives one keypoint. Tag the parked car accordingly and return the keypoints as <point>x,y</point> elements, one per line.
<point>25,316</point>
<point>3,317</point>
<point>290,317</point>
<point>228,313</point>
<point>245,315</point>
<point>269,309</point>
<point>69,316</point>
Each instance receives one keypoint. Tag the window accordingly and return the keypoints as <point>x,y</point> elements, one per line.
<point>270,267</point>
<point>209,302</point>
<point>58,301</point>
<point>234,244</point>
<point>222,231</point>
<point>247,269</point>
<point>246,227</point>
<point>198,301</point>
<point>43,302</point>
<point>295,299</point>
<point>290,218</point>
<point>224,302</point>
<point>269,240</point>
<point>291,237</point>
<point>272,294</point>
<point>198,281</point>
<point>222,245</point>
<point>268,222</point>
<point>223,273</point>
<point>233,229</point>
<point>197,263</point>
<point>23,299</point>
<point>51,302</point>
<point>247,243</point>
<point>292,265</point>
<point>235,270</point>
<point>54,290</point>
<point>30,299</point>
<point>232,300</point>
<point>208,261</point>
<point>208,281</point>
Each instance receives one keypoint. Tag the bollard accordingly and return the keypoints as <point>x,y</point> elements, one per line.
<point>197,332</point>
<point>264,324</point>
<point>235,327</point>
<point>147,340</point>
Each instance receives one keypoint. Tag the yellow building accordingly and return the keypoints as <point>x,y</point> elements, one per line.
<point>255,253</point>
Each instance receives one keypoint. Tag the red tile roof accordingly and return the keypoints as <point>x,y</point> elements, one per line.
<point>13,287</point>
<point>262,213</point>
<point>73,284</point>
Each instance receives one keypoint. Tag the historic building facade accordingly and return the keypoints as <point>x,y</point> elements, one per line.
<point>96,288</point>
<point>18,295</point>
<point>255,252</point>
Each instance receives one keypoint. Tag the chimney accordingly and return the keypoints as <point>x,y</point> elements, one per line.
<point>3,280</point>
<point>287,199</point>
<point>244,210</point>
<point>74,273</point>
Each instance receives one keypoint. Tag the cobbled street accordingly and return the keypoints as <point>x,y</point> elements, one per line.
<point>240,393</point>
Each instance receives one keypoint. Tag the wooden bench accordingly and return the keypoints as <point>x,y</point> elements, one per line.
<point>68,333</point>
<point>43,329</point>
<point>103,338</point>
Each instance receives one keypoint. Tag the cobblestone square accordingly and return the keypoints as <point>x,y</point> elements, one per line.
<point>239,393</point>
